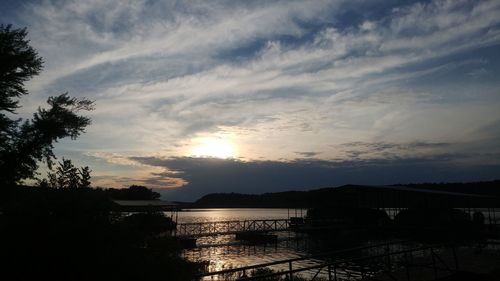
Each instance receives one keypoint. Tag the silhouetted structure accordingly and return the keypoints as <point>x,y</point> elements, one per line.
<point>402,197</point>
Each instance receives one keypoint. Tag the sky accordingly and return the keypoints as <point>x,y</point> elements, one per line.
<point>196,97</point>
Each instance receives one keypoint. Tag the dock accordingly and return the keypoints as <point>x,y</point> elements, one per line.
<point>230,227</point>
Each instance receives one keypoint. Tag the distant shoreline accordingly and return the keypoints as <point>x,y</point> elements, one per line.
<point>325,196</point>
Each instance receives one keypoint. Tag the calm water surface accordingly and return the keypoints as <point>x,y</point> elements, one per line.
<point>211,215</point>
<point>224,252</point>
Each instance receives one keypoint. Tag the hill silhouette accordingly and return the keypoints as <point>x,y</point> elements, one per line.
<point>352,194</point>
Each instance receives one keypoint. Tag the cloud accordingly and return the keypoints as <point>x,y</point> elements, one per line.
<point>134,172</point>
<point>307,153</point>
<point>208,175</point>
<point>387,150</point>
<point>113,158</point>
<point>334,80</point>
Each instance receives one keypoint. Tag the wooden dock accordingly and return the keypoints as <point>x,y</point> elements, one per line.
<point>423,263</point>
<point>383,263</point>
<point>230,227</point>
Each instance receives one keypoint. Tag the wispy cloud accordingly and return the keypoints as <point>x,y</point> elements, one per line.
<point>282,78</point>
<point>385,150</point>
<point>208,175</point>
<point>307,153</point>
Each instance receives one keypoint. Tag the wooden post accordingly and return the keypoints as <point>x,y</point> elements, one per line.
<point>489,217</point>
<point>407,265</point>
<point>335,272</point>
<point>434,264</point>
<point>388,258</point>
<point>290,270</point>
<point>455,257</point>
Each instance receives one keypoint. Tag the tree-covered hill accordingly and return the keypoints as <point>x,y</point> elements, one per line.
<point>325,195</point>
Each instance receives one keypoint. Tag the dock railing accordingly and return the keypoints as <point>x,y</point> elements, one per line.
<point>230,227</point>
<point>365,267</point>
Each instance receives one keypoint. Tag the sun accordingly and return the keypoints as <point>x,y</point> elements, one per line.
<point>214,147</point>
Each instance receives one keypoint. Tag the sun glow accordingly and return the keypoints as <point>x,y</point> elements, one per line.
<point>214,147</point>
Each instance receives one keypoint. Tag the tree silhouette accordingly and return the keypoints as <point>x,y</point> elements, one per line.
<point>24,144</point>
<point>85,176</point>
<point>134,192</point>
<point>18,63</point>
<point>67,176</point>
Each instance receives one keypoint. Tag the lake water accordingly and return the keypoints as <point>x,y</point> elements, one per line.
<point>211,215</point>
<point>224,252</point>
<point>240,214</point>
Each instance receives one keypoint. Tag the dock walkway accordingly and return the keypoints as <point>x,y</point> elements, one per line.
<point>230,227</point>
<point>382,264</point>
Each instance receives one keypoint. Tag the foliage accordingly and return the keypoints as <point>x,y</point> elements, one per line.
<point>150,222</point>
<point>64,233</point>
<point>67,176</point>
<point>345,196</point>
<point>24,144</point>
<point>85,176</point>
<point>263,272</point>
<point>134,192</point>
<point>69,235</point>
<point>268,274</point>
<point>18,63</point>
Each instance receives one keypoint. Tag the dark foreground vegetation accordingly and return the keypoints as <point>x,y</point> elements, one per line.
<point>75,234</point>
<point>63,229</point>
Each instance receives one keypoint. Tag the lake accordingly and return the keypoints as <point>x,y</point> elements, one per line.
<point>211,215</point>
<point>224,252</point>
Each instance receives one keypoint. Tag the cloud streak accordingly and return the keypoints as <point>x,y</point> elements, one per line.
<point>328,80</point>
<point>206,175</point>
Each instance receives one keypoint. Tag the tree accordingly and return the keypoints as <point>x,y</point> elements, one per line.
<point>18,63</point>
<point>23,145</point>
<point>85,176</point>
<point>134,192</point>
<point>67,176</point>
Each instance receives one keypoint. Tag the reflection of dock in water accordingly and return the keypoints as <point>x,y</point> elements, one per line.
<point>383,262</point>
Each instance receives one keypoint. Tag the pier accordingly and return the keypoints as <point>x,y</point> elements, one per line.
<point>384,262</point>
<point>390,261</point>
<point>201,229</point>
